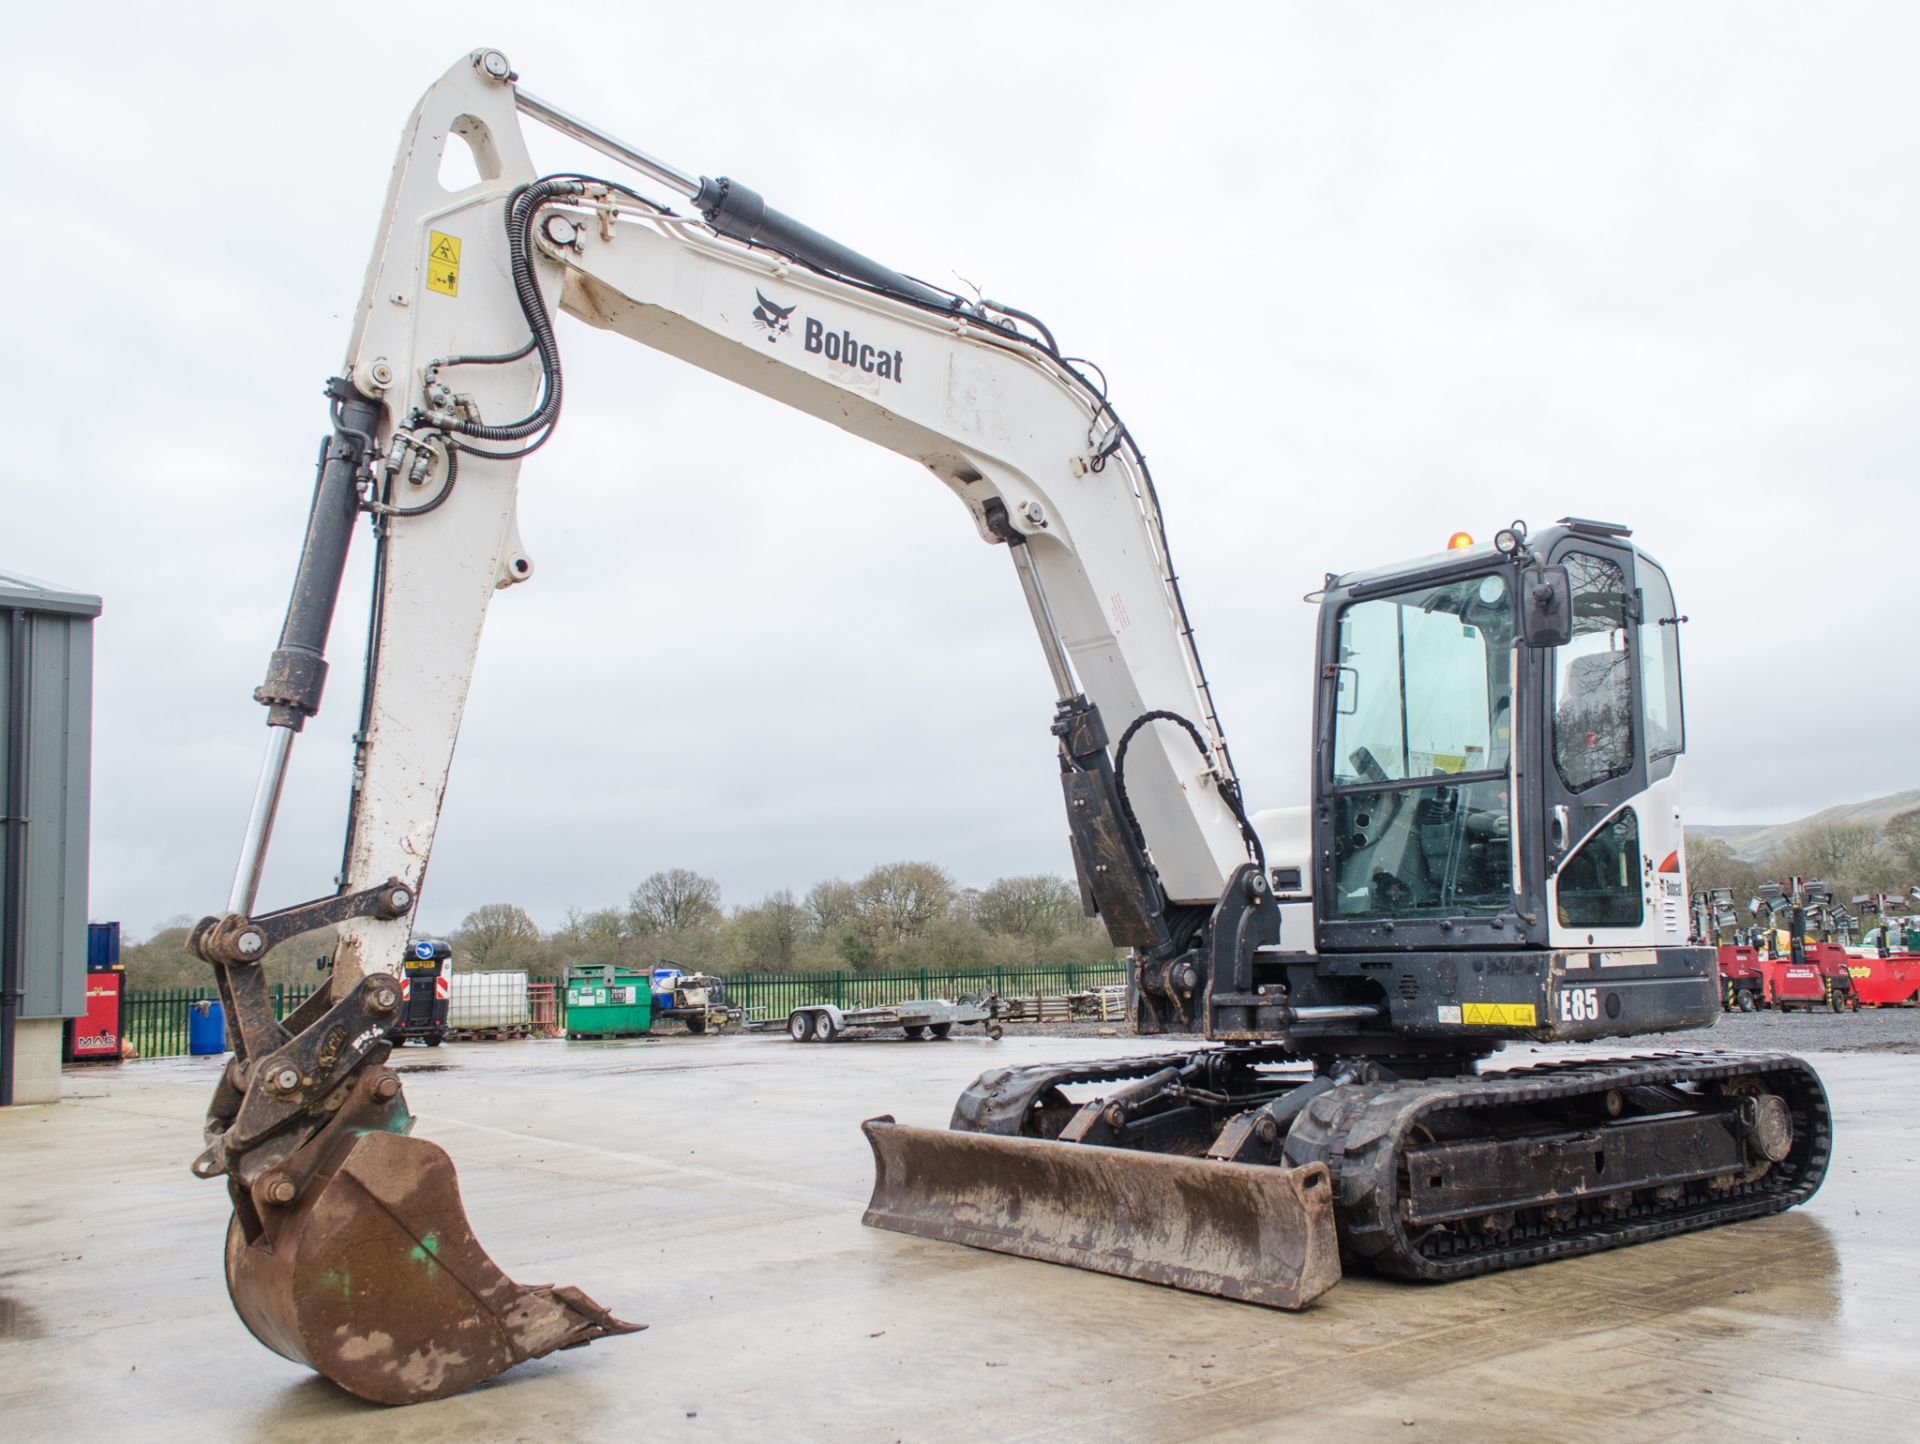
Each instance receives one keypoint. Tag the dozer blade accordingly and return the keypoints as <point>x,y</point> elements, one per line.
<point>373,1277</point>
<point>1264,1235</point>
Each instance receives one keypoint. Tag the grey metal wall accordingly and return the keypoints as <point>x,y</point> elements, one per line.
<point>59,647</point>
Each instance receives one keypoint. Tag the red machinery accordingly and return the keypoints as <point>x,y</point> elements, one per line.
<point>1885,967</point>
<point>1743,987</point>
<point>1825,975</point>
<point>1881,982</point>
<point>1807,974</point>
<point>97,1032</point>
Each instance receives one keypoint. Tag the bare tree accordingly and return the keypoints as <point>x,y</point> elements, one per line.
<point>594,939</point>
<point>1902,834</point>
<point>901,900</point>
<point>1832,850</point>
<point>1037,908</point>
<point>832,908</point>
<point>499,935</point>
<point>675,901</point>
<point>767,936</point>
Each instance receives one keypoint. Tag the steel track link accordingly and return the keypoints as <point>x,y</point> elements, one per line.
<point>1361,1132</point>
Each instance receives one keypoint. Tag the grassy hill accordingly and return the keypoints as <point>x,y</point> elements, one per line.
<point>1756,844</point>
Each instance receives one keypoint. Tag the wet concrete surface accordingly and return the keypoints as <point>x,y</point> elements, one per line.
<point>713,1187</point>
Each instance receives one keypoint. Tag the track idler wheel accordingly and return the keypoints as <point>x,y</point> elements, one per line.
<point>369,1273</point>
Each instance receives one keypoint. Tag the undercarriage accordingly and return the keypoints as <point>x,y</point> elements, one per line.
<point>1433,1171</point>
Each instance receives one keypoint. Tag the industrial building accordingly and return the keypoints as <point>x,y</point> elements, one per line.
<point>46,747</point>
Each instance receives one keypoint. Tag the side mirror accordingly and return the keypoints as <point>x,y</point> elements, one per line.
<point>1546,606</point>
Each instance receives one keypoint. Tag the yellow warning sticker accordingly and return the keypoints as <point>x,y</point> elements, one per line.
<point>1499,1015</point>
<point>443,263</point>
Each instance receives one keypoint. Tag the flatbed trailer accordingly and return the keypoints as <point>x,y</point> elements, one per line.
<point>918,1018</point>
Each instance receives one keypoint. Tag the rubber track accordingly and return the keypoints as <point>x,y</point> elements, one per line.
<point>1359,1131</point>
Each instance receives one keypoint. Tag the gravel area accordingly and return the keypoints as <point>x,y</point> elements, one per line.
<point>1871,1030</point>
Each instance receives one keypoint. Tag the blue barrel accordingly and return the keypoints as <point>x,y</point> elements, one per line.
<point>664,980</point>
<point>207,1028</point>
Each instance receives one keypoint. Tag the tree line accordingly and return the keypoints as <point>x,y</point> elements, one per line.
<point>1852,858</point>
<point>899,916</point>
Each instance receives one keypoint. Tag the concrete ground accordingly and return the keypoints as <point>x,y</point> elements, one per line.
<point>713,1188</point>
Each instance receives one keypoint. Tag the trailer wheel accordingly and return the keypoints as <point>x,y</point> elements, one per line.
<point>800,1027</point>
<point>995,1032</point>
<point>1835,1003</point>
<point>825,1030</point>
<point>434,1040</point>
<point>940,1030</point>
<point>697,1025</point>
<point>916,1031</point>
<point>1744,1000</point>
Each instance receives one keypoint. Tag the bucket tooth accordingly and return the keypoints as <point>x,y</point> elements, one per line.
<point>373,1277</point>
<point>1264,1235</point>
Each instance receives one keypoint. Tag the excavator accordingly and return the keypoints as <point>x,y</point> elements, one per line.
<point>1492,853</point>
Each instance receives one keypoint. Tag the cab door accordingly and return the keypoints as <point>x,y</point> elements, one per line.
<point>1602,890</point>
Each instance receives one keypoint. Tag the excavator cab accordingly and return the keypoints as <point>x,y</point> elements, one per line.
<point>1499,733</point>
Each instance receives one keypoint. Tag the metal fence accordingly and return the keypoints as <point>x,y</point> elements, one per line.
<point>158,1019</point>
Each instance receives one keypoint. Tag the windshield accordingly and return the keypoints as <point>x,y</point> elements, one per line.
<point>1423,706</point>
<point>1424,683</point>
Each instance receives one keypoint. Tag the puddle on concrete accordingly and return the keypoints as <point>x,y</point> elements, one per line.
<point>18,1320</point>
<point>422,1067</point>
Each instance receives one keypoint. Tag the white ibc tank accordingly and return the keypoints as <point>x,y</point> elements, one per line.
<point>488,1000</point>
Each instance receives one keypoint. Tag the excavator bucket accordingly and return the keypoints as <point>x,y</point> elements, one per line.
<point>373,1277</point>
<point>1264,1235</point>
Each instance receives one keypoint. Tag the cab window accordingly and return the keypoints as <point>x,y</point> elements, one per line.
<point>1599,885</point>
<point>1660,663</point>
<point>1593,708</point>
<point>1423,684</point>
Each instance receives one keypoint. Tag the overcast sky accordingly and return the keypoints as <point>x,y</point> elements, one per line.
<point>1360,276</point>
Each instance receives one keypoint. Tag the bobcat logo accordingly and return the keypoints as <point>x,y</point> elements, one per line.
<point>771,318</point>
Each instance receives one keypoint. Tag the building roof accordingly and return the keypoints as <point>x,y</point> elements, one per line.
<point>19,590</point>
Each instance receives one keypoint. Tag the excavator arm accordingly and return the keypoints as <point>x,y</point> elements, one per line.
<point>453,376</point>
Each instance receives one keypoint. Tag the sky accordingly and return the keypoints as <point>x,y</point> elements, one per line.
<point>1360,276</point>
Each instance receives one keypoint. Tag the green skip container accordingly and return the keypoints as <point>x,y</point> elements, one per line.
<point>609,1002</point>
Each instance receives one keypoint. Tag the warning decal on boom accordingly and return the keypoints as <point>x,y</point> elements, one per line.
<point>443,263</point>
